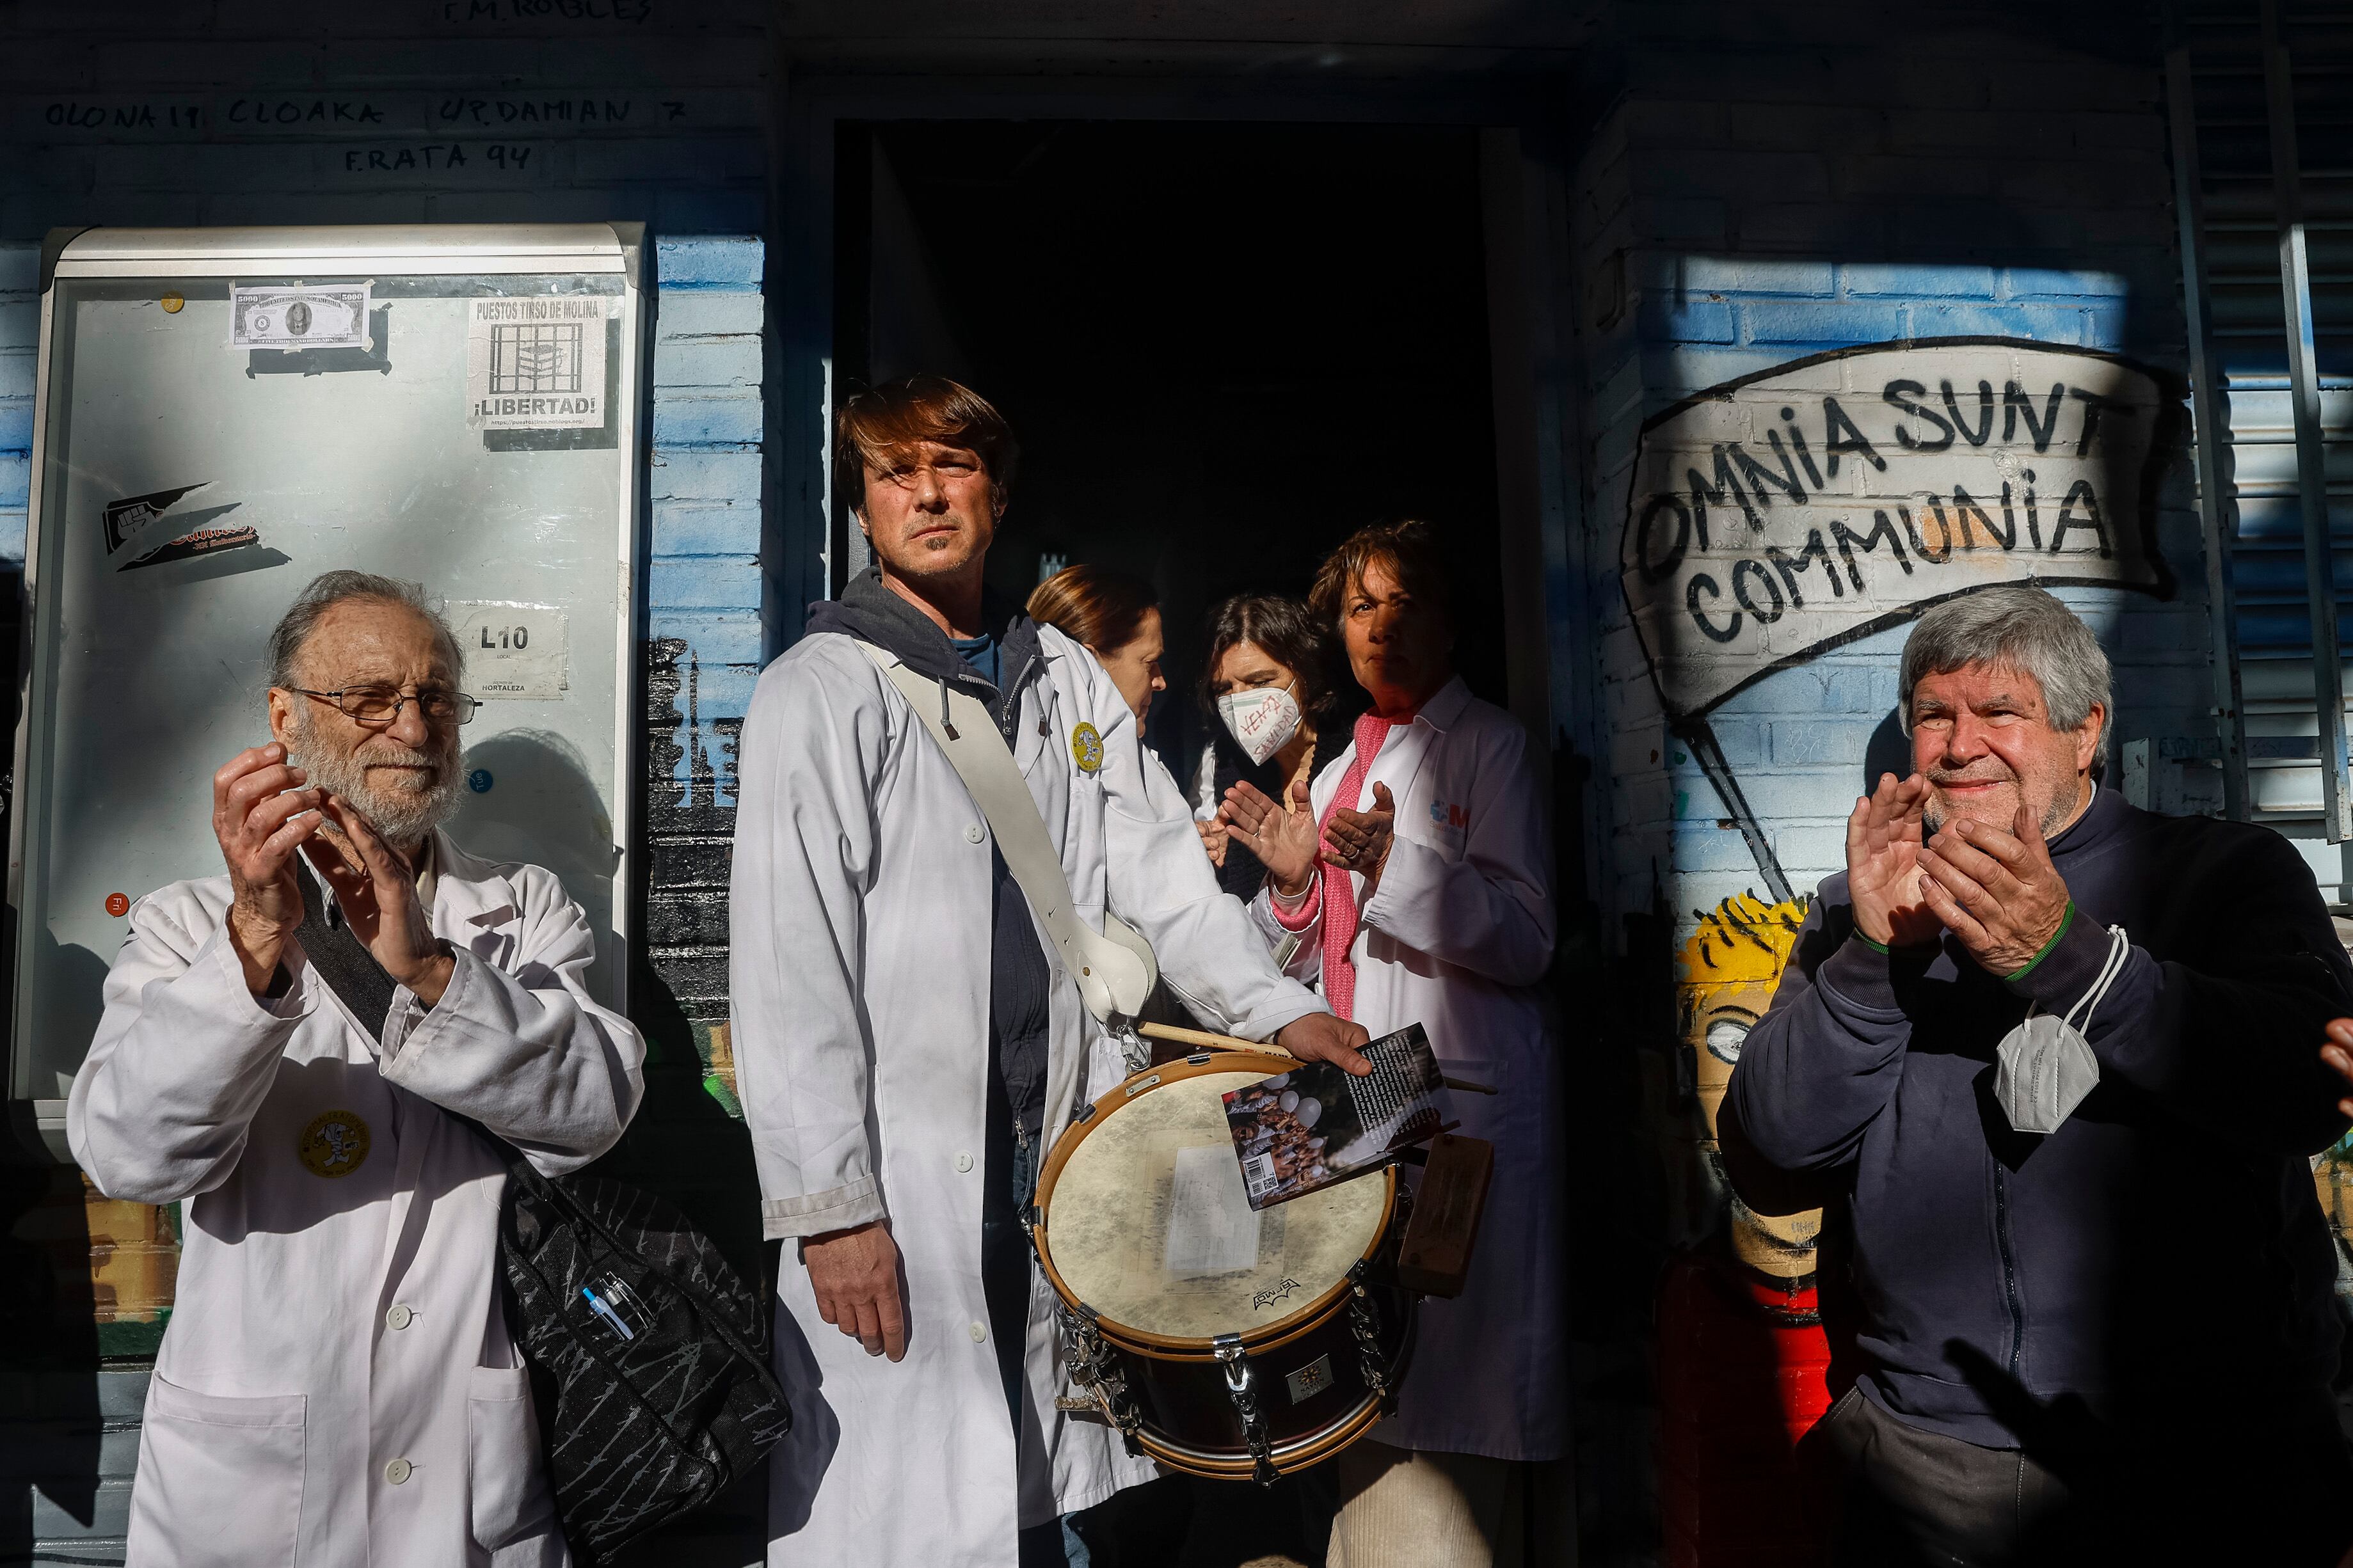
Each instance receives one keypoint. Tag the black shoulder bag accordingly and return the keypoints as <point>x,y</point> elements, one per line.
<point>648,1353</point>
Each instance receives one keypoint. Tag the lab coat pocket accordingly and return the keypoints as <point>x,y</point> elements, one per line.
<point>220,1480</point>
<point>505,1477</point>
<point>1479,1066</point>
<point>1486,1070</point>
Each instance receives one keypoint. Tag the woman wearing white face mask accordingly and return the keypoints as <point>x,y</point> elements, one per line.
<point>1266,688</point>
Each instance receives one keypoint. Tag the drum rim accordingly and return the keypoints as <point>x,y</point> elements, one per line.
<point>1143,1340</point>
<point>1300,1452</point>
<point>1287,1458</point>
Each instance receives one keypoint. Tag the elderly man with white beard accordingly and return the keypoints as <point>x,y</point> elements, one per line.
<point>337,1384</point>
<point>2048,1060</point>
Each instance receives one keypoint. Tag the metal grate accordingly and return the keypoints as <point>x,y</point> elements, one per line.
<point>535,357</point>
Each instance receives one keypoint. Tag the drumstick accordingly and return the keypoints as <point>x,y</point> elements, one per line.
<point>1176,1035</point>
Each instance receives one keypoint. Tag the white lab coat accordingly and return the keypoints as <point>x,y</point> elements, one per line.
<point>329,1326</point>
<point>861,978</point>
<point>1456,939</point>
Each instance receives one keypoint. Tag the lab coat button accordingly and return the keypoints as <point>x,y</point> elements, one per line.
<point>964,1162</point>
<point>399,1471</point>
<point>973,833</point>
<point>979,1332</point>
<point>397,1316</point>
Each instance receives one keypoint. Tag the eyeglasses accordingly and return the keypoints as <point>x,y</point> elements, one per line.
<point>379,707</point>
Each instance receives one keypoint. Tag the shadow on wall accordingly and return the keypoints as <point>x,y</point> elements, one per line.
<point>684,1145</point>
<point>1888,751</point>
<point>529,797</point>
<point>51,1430</point>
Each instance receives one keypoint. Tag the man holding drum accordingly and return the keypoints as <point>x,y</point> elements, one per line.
<point>907,1045</point>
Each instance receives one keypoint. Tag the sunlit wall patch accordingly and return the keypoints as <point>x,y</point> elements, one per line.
<point>133,521</point>
<point>1787,513</point>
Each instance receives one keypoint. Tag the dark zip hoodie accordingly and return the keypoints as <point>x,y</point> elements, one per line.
<point>1020,978</point>
<point>2161,1258</point>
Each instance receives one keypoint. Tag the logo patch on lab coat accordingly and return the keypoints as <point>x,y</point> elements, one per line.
<point>1446,815</point>
<point>1086,747</point>
<point>334,1144</point>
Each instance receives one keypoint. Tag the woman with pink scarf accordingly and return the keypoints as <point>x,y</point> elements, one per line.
<point>1416,874</point>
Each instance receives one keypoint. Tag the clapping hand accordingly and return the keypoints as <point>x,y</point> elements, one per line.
<point>1882,864</point>
<point>1285,841</point>
<point>1996,891</point>
<point>1359,841</point>
<point>2339,1055</point>
<point>379,898</point>
<point>261,812</point>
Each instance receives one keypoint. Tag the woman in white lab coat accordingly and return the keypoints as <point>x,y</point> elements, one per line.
<point>861,971</point>
<point>1441,914</point>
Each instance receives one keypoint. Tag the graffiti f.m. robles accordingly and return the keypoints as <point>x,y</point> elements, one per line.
<point>1785,513</point>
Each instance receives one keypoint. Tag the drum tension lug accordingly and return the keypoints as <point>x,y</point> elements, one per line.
<point>1241,1387</point>
<point>1365,1326</point>
<point>1093,1366</point>
<point>1086,1112</point>
<point>1197,1059</point>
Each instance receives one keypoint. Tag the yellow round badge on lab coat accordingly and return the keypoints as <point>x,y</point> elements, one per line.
<point>334,1144</point>
<point>1086,748</point>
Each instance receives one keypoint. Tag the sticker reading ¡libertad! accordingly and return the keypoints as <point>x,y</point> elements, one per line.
<point>536,363</point>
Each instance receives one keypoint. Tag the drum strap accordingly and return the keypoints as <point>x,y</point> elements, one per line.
<point>1114,969</point>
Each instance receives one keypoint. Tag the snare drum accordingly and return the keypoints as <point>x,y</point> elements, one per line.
<point>1229,1342</point>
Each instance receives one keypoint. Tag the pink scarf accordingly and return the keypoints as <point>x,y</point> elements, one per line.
<point>1340,913</point>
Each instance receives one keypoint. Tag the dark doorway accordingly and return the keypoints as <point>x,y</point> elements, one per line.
<point>1223,347</point>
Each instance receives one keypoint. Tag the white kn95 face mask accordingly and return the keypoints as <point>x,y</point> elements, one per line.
<point>1263,721</point>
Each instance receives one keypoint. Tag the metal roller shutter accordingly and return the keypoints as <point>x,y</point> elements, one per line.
<point>2253,370</point>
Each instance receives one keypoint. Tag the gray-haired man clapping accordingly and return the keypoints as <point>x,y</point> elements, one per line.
<point>2049,1060</point>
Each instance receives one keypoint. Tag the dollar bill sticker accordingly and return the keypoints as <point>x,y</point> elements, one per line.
<point>536,363</point>
<point>324,316</point>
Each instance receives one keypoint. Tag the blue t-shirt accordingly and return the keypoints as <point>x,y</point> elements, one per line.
<point>982,654</point>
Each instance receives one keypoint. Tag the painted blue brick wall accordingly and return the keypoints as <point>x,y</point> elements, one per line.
<point>703,594</point>
<point>1716,239</point>
<point>19,332</point>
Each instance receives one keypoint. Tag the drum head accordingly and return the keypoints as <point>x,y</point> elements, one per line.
<point>1148,1224</point>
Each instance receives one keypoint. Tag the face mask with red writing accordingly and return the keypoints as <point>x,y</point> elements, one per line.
<point>1261,720</point>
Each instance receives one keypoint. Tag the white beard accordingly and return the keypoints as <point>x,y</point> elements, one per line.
<point>401,816</point>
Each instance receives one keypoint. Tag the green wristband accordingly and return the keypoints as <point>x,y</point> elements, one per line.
<point>1874,946</point>
<point>2065,921</point>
